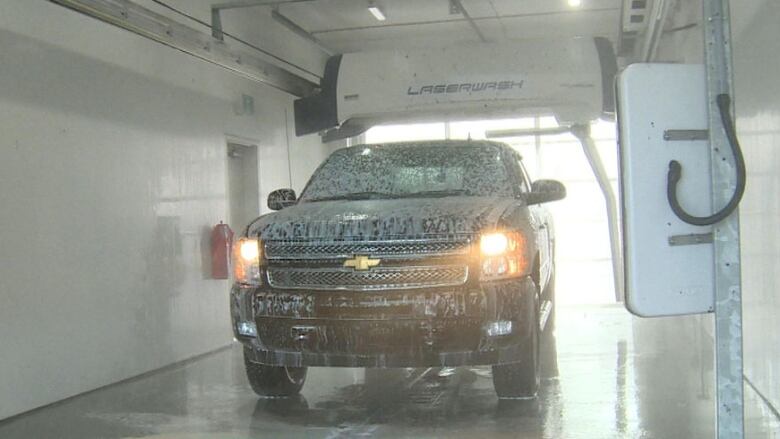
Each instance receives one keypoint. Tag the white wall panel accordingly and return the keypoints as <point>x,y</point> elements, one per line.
<point>757,97</point>
<point>112,171</point>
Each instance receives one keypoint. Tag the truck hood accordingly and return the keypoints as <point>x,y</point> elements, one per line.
<point>377,219</point>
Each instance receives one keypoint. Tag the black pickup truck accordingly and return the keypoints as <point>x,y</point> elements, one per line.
<point>426,254</point>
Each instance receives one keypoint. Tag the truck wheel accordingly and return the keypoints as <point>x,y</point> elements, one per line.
<point>521,379</point>
<point>276,381</point>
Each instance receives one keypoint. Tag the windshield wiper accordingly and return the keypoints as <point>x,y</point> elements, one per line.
<point>367,195</point>
<point>439,193</point>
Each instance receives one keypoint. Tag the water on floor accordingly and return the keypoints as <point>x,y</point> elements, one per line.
<point>606,375</point>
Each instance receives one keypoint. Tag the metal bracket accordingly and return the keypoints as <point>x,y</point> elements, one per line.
<point>454,8</point>
<point>216,25</point>
<point>686,135</point>
<point>218,32</point>
<point>691,239</point>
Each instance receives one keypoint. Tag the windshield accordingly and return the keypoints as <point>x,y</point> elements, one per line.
<point>410,171</point>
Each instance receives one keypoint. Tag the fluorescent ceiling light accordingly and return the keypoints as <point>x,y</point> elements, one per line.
<point>377,13</point>
<point>575,3</point>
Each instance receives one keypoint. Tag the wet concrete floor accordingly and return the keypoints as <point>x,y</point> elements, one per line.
<point>607,375</point>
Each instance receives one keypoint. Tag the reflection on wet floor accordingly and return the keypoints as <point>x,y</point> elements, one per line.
<point>606,375</point>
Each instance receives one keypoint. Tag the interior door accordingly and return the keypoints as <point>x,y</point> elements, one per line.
<point>243,186</point>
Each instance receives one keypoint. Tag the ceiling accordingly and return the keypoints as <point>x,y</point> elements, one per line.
<point>347,26</point>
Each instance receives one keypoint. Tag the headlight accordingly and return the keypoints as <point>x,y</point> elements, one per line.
<point>493,244</point>
<point>246,261</point>
<point>503,255</point>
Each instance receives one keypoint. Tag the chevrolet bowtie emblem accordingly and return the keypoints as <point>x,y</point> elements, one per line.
<point>361,263</point>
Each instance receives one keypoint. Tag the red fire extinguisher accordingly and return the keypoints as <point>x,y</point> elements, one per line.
<point>221,243</point>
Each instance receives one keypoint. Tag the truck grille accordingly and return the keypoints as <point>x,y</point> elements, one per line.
<point>291,250</point>
<point>375,279</point>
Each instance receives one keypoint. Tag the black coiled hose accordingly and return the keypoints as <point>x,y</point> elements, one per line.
<point>675,173</point>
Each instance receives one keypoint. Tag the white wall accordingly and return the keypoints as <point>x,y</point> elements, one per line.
<point>757,97</point>
<point>112,171</point>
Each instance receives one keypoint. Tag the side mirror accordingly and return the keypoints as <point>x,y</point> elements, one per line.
<point>281,198</point>
<point>543,191</point>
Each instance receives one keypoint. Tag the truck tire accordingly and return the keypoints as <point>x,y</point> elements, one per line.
<point>274,381</point>
<point>521,379</point>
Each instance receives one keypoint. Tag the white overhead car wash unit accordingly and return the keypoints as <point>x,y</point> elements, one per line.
<point>569,79</point>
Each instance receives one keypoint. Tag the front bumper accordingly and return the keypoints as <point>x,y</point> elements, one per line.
<point>395,328</point>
